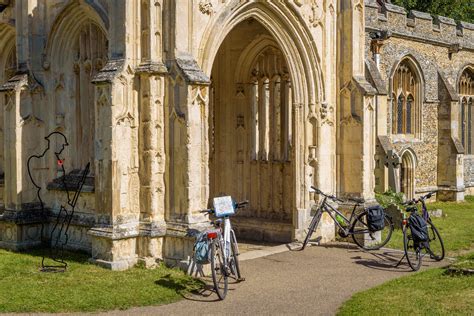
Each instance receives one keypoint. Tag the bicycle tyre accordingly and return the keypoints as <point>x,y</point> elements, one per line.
<point>387,231</point>
<point>433,234</point>
<point>312,228</point>
<point>414,258</point>
<point>219,275</point>
<point>235,264</point>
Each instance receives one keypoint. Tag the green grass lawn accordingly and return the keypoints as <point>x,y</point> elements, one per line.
<point>84,287</point>
<point>432,292</point>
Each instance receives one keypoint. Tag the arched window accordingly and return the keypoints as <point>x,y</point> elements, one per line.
<point>9,68</point>
<point>271,103</point>
<point>466,93</point>
<point>90,52</point>
<point>407,175</point>
<point>406,96</point>
<point>79,51</point>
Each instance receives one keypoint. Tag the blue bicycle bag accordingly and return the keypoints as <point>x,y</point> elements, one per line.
<point>202,251</point>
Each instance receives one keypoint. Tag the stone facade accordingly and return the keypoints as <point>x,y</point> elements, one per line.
<point>174,102</point>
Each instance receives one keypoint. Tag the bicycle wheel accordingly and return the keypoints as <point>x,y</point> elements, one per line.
<point>234,259</point>
<point>219,273</point>
<point>312,227</point>
<point>412,251</point>
<point>435,245</point>
<point>367,239</point>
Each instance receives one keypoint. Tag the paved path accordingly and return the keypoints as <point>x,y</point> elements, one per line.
<point>315,281</point>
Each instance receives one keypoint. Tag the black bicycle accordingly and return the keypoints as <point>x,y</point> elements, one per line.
<point>415,250</point>
<point>356,226</point>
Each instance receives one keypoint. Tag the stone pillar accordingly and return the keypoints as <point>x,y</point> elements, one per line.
<point>116,165</point>
<point>188,147</point>
<point>117,180</point>
<point>450,150</point>
<point>20,223</point>
<point>152,136</point>
<point>356,115</point>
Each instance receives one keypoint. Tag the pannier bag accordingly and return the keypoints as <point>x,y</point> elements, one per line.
<point>418,228</point>
<point>202,252</point>
<point>375,218</point>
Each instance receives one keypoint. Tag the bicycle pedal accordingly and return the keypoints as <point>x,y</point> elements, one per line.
<point>240,279</point>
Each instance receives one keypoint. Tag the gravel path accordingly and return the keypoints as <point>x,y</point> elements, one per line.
<point>315,281</point>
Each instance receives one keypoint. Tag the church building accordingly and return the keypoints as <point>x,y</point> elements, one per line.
<point>174,102</point>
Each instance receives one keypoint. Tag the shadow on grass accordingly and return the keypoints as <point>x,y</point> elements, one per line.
<point>79,257</point>
<point>193,290</point>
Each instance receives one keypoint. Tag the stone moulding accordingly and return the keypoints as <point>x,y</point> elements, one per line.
<point>374,75</point>
<point>129,230</point>
<point>191,71</point>
<point>110,71</point>
<point>152,68</point>
<point>153,229</point>
<point>16,82</point>
<point>72,180</point>
<point>364,86</point>
<point>30,214</point>
<point>180,230</point>
<point>115,232</point>
<point>452,92</point>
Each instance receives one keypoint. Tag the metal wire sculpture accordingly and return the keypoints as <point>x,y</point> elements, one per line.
<point>64,217</point>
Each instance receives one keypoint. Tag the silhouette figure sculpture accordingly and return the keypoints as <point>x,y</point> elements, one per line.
<point>59,234</point>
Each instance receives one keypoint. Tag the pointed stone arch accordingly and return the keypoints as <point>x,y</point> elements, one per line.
<point>293,37</point>
<point>76,50</point>
<point>8,67</point>
<point>407,172</point>
<point>407,89</point>
<point>7,52</point>
<point>466,108</point>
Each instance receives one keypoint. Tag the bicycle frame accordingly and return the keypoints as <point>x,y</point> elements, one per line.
<point>224,239</point>
<point>326,207</point>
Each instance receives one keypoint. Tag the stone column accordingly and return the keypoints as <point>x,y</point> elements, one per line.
<point>117,180</point>
<point>188,148</point>
<point>20,223</point>
<point>356,118</point>
<point>186,135</point>
<point>450,150</point>
<point>152,135</point>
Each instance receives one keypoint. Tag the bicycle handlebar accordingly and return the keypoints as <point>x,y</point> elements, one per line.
<point>241,204</point>
<point>420,199</point>
<point>332,197</point>
<point>236,206</point>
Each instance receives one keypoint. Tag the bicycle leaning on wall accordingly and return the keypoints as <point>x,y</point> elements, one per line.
<point>420,236</point>
<point>370,229</point>
<point>224,250</point>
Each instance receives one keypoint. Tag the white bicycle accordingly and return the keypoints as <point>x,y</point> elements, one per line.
<point>223,245</point>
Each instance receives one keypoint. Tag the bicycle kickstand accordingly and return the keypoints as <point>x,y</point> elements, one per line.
<point>399,262</point>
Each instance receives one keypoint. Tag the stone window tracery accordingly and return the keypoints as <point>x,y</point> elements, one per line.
<point>406,104</point>
<point>10,66</point>
<point>270,97</point>
<point>90,54</point>
<point>466,93</point>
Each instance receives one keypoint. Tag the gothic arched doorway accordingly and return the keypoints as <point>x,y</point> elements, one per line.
<point>250,131</point>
